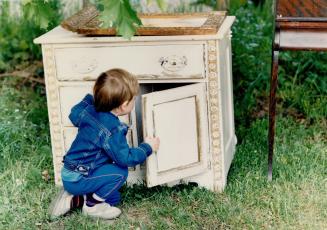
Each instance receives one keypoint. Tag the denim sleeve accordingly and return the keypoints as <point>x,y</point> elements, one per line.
<point>117,148</point>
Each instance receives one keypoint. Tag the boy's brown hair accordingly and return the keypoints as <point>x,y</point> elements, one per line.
<point>113,88</point>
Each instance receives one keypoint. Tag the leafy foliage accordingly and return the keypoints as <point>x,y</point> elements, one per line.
<point>113,13</point>
<point>119,14</point>
<point>161,3</point>
<point>303,82</point>
<point>302,75</point>
<point>41,12</point>
<point>233,4</point>
<point>251,44</point>
<point>16,37</point>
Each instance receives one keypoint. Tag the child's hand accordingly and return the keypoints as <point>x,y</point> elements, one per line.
<point>153,142</point>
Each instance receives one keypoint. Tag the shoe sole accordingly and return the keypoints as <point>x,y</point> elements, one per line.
<point>103,218</point>
<point>55,205</point>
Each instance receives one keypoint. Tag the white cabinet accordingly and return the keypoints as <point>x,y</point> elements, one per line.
<point>186,99</point>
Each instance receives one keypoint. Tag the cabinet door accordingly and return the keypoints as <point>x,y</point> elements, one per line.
<point>178,117</point>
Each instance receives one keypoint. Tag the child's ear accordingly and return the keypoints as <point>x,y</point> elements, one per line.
<point>124,105</point>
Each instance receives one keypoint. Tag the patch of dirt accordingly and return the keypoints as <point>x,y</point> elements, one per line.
<point>136,213</point>
<point>262,110</point>
<point>31,75</point>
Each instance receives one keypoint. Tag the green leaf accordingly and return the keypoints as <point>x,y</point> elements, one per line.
<point>119,13</point>
<point>24,2</point>
<point>131,13</point>
<point>162,5</point>
<point>126,29</point>
<point>39,11</point>
<point>109,11</point>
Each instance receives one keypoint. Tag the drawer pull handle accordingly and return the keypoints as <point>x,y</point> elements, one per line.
<point>173,63</point>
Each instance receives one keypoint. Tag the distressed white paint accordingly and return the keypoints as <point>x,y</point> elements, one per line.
<point>165,61</point>
<point>207,56</point>
<point>178,117</point>
<point>70,96</point>
<point>179,145</point>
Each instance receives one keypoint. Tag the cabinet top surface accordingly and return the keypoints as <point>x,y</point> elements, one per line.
<point>60,35</point>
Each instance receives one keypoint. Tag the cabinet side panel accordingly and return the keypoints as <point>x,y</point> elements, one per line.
<point>227,111</point>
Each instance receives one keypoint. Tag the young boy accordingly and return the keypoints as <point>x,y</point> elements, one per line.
<point>97,162</point>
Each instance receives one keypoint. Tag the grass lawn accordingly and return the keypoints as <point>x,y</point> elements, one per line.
<point>295,199</point>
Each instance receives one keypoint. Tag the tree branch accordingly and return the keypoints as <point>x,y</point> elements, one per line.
<point>28,73</point>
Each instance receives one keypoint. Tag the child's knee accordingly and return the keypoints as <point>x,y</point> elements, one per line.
<point>124,174</point>
<point>118,174</point>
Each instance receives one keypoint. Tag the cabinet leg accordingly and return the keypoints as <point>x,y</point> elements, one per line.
<point>272,112</point>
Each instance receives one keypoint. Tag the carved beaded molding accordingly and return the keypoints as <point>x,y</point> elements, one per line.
<point>54,110</point>
<point>214,108</point>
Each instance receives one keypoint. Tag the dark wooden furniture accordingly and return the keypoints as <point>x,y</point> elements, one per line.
<point>299,25</point>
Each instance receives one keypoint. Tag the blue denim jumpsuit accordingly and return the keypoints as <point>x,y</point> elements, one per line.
<point>99,157</point>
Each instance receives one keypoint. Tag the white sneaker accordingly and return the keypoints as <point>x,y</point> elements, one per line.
<point>102,210</point>
<point>60,205</point>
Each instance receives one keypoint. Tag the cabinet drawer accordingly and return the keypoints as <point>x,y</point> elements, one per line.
<point>147,62</point>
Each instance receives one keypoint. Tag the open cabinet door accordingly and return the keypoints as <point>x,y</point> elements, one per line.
<point>174,116</point>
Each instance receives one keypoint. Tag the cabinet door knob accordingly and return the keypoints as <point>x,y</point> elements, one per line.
<point>173,63</point>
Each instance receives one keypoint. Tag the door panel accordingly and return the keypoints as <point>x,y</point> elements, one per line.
<point>70,96</point>
<point>174,116</point>
<point>178,148</point>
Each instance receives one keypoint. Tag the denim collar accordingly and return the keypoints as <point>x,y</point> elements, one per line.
<point>108,119</point>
